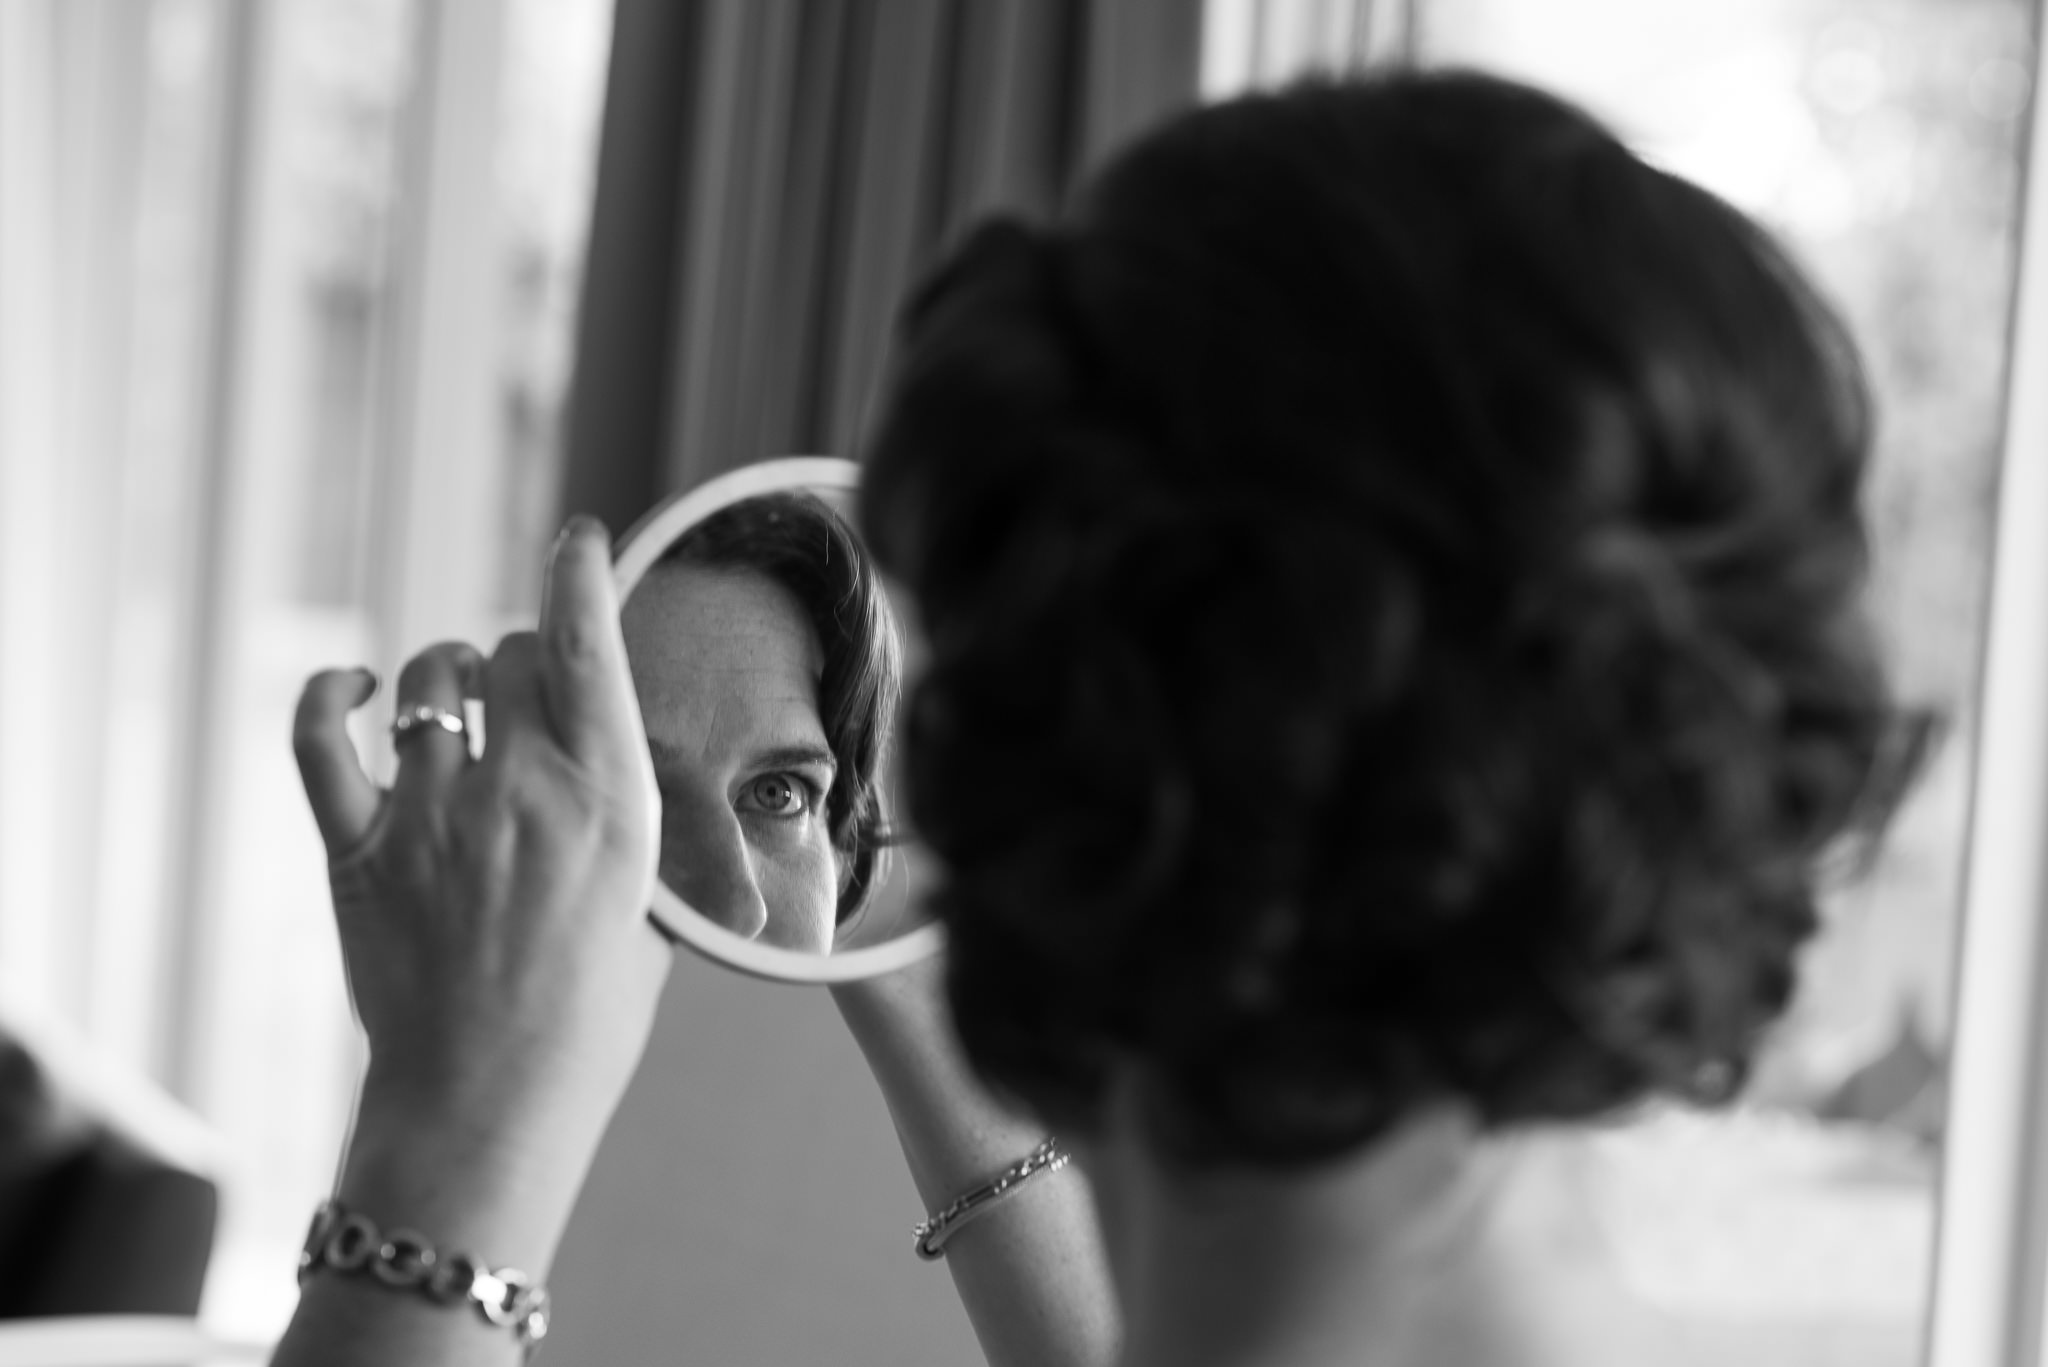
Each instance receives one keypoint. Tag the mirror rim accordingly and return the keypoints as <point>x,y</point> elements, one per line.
<point>635,553</point>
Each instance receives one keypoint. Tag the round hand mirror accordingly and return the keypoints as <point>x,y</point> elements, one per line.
<point>768,663</point>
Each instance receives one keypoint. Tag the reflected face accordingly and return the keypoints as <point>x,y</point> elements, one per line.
<point>727,667</point>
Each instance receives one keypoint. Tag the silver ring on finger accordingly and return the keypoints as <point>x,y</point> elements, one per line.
<point>422,717</point>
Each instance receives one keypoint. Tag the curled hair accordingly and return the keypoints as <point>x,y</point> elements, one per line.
<point>800,543</point>
<point>1392,561</point>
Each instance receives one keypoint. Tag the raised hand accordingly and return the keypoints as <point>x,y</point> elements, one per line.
<point>492,910</point>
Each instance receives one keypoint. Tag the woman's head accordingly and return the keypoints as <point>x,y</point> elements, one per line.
<point>1391,560</point>
<point>769,667</point>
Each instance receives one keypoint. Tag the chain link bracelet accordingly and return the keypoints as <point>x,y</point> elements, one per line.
<point>929,1237</point>
<point>345,1241</point>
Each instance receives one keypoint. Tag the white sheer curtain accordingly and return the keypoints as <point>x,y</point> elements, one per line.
<point>67,134</point>
<point>1250,44</point>
<point>282,351</point>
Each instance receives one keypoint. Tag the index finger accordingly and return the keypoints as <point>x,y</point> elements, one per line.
<point>586,681</point>
<point>343,799</point>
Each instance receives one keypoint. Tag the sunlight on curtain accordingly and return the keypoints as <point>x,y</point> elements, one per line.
<point>440,329</point>
<point>1256,43</point>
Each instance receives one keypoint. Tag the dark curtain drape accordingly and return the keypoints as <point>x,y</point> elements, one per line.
<point>774,175</point>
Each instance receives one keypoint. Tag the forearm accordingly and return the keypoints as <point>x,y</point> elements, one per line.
<point>502,1198</point>
<point>1031,1273</point>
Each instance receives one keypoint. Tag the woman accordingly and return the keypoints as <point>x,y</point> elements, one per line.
<point>767,669</point>
<point>1400,555</point>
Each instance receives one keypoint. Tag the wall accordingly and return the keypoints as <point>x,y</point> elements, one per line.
<point>751,1206</point>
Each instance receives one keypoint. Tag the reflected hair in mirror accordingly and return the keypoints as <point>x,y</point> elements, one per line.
<point>801,544</point>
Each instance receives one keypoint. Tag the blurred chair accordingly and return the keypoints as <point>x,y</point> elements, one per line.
<point>106,1205</point>
<point>121,1341</point>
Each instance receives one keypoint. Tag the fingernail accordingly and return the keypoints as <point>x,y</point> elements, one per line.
<point>581,524</point>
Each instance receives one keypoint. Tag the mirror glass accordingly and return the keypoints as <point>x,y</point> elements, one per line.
<point>769,661</point>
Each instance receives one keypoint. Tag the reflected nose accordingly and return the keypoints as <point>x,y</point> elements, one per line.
<point>704,861</point>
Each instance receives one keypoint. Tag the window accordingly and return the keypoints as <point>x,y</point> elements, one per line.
<point>294,417</point>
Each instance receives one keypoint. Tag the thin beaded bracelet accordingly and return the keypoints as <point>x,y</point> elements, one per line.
<point>929,1237</point>
<point>345,1241</point>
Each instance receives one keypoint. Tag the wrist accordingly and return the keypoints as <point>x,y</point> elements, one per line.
<point>532,1111</point>
<point>345,1243</point>
<point>953,1131</point>
<point>504,1188</point>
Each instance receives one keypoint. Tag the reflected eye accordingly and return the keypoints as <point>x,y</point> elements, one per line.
<point>776,795</point>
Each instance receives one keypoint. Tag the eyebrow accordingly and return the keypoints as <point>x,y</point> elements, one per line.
<point>799,756</point>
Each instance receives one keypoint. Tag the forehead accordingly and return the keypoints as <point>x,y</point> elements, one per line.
<point>722,645</point>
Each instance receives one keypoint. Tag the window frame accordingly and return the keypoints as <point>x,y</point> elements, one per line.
<point>1991,1243</point>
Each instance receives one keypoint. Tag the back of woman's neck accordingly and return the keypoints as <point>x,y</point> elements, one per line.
<point>1421,1250</point>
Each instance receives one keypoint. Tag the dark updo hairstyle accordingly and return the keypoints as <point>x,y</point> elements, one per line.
<point>797,541</point>
<point>1392,562</point>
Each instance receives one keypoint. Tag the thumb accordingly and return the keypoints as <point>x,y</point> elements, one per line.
<point>586,681</point>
